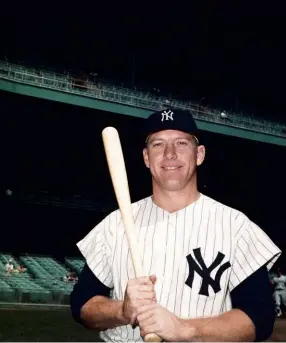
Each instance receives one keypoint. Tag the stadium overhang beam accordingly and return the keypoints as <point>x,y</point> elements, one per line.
<point>109,106</point>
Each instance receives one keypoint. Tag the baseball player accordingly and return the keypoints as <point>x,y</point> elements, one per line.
<point>207,263</point>
<point>279,282</point>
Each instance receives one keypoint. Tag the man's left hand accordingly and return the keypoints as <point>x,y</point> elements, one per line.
<point>154,318</point>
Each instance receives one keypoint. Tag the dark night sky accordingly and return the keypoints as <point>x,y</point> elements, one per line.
<point>234,57</point>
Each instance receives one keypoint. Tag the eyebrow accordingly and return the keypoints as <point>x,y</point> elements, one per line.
<point>152,140</point>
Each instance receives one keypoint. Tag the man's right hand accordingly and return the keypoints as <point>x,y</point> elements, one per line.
<point>139,292</point>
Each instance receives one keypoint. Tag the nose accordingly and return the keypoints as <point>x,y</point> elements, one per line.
<point>170,152</point>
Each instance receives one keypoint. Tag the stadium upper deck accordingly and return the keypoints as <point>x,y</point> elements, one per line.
<point>85,92</point>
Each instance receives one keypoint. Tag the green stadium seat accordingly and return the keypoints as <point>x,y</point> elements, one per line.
<point>43,281</point>
<point>75,264</point>
<point>7,294</point>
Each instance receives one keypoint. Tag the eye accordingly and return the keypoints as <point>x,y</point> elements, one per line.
<point>157,144</point>
<point>182,143</point>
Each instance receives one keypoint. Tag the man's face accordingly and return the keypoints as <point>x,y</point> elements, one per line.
<point>173,157</point>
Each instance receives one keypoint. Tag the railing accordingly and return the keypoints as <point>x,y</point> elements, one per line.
<point>98,90</point>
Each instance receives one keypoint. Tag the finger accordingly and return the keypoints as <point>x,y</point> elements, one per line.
<point>140,303</point>
<point>145,288</point>
<point>153,279</point>
<point>145,280</point>
<point>146,308</point>
<point>145,318</point>
<point>137,309</point>
<point>152,328</point>
<point>146,296</point>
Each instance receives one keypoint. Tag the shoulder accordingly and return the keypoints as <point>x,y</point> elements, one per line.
<point>247,237</point>
<point>113,220</point>
<point>231,216</point>
<point>242,228</point>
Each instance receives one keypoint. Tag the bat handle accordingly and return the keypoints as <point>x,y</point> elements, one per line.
<point>152,337</point>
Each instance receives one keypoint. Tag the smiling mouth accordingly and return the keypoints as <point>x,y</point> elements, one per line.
<point>172,168</point>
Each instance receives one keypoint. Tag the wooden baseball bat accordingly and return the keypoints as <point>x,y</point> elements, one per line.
<point>117,169</point>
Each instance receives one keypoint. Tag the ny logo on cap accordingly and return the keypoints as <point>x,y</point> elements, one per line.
<point>167,115</point>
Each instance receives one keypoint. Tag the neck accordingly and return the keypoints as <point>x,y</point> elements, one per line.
<point>173,201</point>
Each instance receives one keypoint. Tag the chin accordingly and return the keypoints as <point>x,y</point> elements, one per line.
<point>172,186</point>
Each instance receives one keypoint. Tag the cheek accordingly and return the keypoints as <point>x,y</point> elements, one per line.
<point>190,161</point>
<point>154,163</point>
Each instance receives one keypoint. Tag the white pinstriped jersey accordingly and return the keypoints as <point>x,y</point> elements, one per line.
<point>199,255</point>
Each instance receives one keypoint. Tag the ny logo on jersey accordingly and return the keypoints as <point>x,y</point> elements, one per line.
<point>201,269</point>
<point>167,115</point>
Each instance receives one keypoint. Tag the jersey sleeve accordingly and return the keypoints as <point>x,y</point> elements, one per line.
<point>253,250</point>
<point>96,247</point>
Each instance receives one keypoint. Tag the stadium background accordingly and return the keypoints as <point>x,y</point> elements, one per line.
<point>58,148</point>
<point>53,149</point>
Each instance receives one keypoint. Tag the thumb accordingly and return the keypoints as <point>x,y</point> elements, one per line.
<point>153,278</point>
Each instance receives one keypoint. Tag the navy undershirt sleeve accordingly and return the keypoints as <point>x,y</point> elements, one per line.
<point>86,288</point>
<point>253,296</point>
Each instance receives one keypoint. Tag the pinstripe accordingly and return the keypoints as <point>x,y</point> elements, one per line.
<point>154,229</point>
<point>241,226</point>
<point>91,240</point>
<point>222,212</point>
<point>245,259</point>
<point>240,267</point>
<point>215,224</point>
<point>165,257</point>
<point>199,231</point>
<point>222,242</point>
<point>189,250</point>
<point>205,253</point>
<point>147,230</point>
<point>236,216</point>
<point>254,245</point>
<point>174,255</point>
<point>253,257</point>
<point>98,263</point>
<point>259,240</point>
<point>109,227</point>
<point>116,245</point>
<point>143,214</point>
<point>106,278</point>
<point>226,279</point>
<point>202,209</point>
<point>105,267</point>
<point>97,253</point>
<point>120,265</point>
<point>184,239</point>
<point>234,272</point>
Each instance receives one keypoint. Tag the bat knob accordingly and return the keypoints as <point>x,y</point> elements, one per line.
<point>152,337</point>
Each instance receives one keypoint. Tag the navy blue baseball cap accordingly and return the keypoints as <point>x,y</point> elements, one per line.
<point>171,119</point>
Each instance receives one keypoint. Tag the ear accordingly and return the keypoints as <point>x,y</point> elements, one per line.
<point>201,153</point>
<point>146,158</point>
